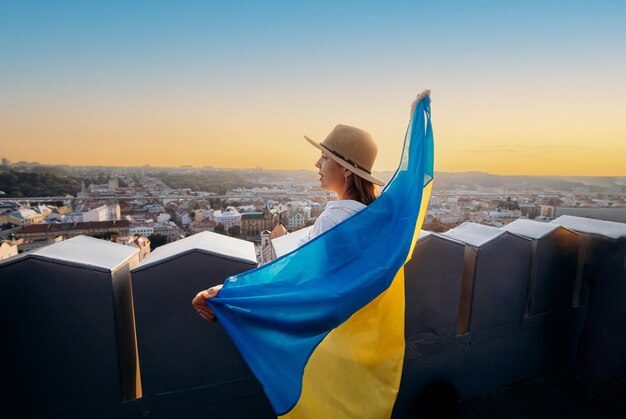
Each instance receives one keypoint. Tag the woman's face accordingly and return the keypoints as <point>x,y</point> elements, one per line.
<point>332,174</point>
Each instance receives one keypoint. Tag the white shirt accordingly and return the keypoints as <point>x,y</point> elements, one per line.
<point>334,213</point>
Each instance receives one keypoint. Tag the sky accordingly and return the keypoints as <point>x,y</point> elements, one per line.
<point>518,88</point>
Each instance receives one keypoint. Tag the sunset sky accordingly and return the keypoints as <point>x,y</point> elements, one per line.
<point>535,88</point>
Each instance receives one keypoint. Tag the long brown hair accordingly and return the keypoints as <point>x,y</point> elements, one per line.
<point>362,190</point>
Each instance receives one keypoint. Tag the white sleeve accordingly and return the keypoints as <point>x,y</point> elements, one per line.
<point>321,224</point>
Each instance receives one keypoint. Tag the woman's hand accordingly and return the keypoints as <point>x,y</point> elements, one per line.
<point>199,303</point>
<point>417,100</point>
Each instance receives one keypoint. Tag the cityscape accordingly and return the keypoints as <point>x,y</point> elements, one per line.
<point>147,207</point>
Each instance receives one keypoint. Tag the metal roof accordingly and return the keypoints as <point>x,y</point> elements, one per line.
<point>425,234</point>
<point>531,229</point>
<point>209,242</point>
<point>87,225</point>
<point>608,229</point>
<point>252,215</point>
<point>473,234</point>
<point>86,251</point>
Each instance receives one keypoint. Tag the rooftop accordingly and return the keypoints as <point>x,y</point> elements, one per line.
<point>531,229</point>
<point>588,225</point>
<point>108,337</point>
<point>89,225</point>
<point>208,242</point>
<point>86,251</point>
<point>476,235</point>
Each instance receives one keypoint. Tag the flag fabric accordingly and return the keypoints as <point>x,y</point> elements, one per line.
<point>322,327</point>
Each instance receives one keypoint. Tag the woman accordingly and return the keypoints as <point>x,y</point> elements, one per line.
<point>345,167</point>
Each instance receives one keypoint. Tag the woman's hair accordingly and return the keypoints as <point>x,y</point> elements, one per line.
<point>362,190</point>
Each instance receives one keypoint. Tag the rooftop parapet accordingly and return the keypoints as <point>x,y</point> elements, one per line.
<point>495,278</point>
<point>552,302</point>
<point>180,353</point>
<point>475,235</point>
<point>217,245</point>
<point>608,229</point>
<point>509,289</point>
<point>433,291</point>
<point>602,285</point>
<point>553,265</point>
<point>68,332</point>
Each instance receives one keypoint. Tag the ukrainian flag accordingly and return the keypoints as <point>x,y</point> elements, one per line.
<point>322,327</point>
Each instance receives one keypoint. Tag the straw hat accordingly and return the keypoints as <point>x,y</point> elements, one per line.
<point>352,148</point>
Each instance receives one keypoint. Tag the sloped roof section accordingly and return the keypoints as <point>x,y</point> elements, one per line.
<point>209,242</point>
<point>608,229</point>
<point>87,251</point>
<point>531,229</point>
<point>476,235</point>
<point>425,234</point>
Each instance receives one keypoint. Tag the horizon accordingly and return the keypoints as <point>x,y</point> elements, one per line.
<point>517,89</point>
<point>286,170</point>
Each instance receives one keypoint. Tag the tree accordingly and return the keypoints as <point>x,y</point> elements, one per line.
<point>111,234</point>
<point>107,235</point>
<point>157,240</point>
<point>230,203</point>
<point>216,203</point>
<point>220,229</point>
<point>234,231</point>
<point>19,184</point>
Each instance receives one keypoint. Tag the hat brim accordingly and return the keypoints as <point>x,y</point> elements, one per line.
<point>359,172</point>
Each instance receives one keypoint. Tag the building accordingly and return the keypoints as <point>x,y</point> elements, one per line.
<point>113,183</point>
<point>140,242</point>
<point>266,251</point>
<point>200,214</point>
<point>230,217</point>
<point>530,211</point>
<point>48,231</point>
<point>114,212</point>
<point>103,213</point>
<point>29,245</point>
<point>298,217</point>
<point>283,213</point>
<point>316,209</point>
<point>97,214</point>
<point>512,214</point>
<point>450,219</point>
<point>253,223</point>
<point>43,209</point>
<point>143,229</point>
<point>200,226</point>
<point>163,218</point>
<point>8,248</point>
<point>25,217</point>
<point>548,211</point>
<point>168,229</point>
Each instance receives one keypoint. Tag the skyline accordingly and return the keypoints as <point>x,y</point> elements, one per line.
<point>517,90</point>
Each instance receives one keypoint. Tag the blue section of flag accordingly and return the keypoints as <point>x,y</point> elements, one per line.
<point>277,314</point>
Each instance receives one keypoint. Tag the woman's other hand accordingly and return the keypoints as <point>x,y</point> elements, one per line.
<point>417,100</point>
<point>199,303</point>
